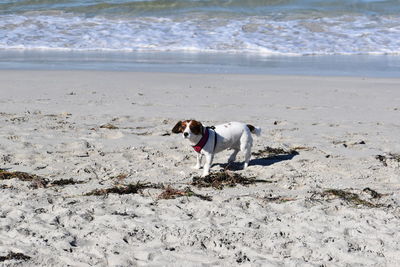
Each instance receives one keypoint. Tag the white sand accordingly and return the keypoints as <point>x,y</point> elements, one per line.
<point>49,126</point>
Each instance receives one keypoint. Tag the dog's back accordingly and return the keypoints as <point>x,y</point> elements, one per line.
<point>234,135</point>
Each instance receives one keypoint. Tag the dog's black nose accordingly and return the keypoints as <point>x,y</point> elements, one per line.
<point>185,134</point>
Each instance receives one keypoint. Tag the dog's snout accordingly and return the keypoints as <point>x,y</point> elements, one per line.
<point>185,134</point>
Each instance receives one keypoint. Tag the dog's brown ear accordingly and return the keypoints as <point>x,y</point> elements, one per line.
<point>196,127</point>
<point>177,128</point>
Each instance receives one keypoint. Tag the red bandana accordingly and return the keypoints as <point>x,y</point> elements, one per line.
<point>202,142</point>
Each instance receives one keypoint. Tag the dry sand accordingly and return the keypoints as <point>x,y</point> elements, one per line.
<point>345,131</point>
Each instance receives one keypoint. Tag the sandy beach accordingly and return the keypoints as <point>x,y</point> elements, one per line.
<point>327,171</point>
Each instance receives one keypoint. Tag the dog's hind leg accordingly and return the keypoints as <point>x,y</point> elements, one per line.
<point>247,156</point>
<point>246,142</point>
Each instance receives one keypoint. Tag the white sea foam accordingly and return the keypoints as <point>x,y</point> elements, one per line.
<point>265,35</point>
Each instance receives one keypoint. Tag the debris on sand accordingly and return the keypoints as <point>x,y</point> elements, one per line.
<point>3,186</point>
<point>390,157</point>
<point>273,152</point>
<point>372,193</point>
<point>65,182</point>
<point>109,126</point>
<point>23,176</point>
<point>351,198</point>
<point>172,193</point>
<point>123,189</point>
<point>224,178</point>
<point>37,181</point>
<point>382,159</point>
<point>278,199</point>
<point>14,256</point>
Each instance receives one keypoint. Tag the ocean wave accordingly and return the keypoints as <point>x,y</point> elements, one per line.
<point>264,35</point>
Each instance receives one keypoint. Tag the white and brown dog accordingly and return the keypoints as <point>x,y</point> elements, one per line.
<point>208,141</point>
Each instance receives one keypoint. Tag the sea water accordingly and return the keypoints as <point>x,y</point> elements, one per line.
<point>258,34</point>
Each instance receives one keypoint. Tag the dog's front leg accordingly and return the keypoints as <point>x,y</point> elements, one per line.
<point>207,165</point>
<point>199,158</point>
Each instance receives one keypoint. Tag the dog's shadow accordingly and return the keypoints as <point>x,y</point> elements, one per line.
<point>267,161</point>
<point>262,161</point>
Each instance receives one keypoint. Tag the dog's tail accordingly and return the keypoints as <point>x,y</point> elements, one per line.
<point>254,130</point>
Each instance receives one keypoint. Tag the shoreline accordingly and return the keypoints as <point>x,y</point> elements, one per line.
<point>204,63</point>
<point>332,201</point>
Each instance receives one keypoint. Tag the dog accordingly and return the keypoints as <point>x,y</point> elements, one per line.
<point>208,141</point>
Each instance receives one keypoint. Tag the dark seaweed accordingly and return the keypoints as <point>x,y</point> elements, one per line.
<point>224,178</point>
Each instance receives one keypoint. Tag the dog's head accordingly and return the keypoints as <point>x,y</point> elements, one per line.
<point>190,129</point>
